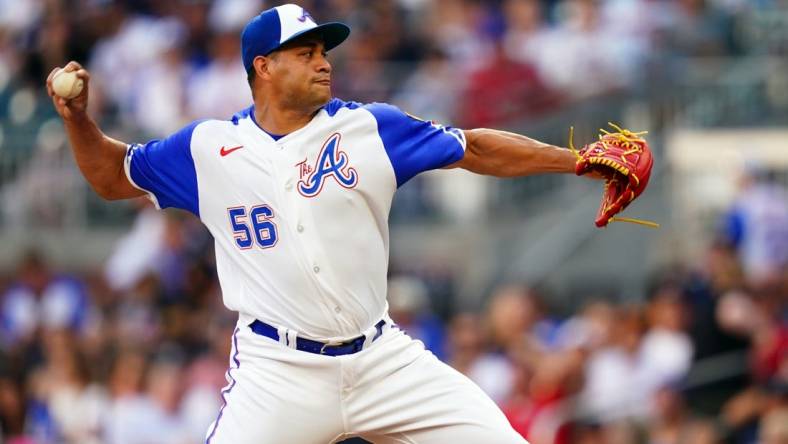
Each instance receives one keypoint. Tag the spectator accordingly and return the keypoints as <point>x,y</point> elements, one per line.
<point>666,351</point>
<point>409,308</point>
<point>502,90</point>
<point>212,91</point>
<point>209,93</point>
<point>70,404</point>
<point>205,378</point>
<point>455,27</point>
<point>718,272</point>
<point>512,315</point>
<point>526,31</point>
<point>138,252</point>
<point>698,29</point>
<point>757,225</point>
<point>468,354</point>
<point>774,427</point>
<point>612,390</point>
<point>673,424</point>
<point>159,96</point>
<point>43,300</point>
<point>12,411</point>
<point>436,75</point>
<point>136,321</point>
<point>539,406</point>
<point>118,61</point>
<point>144,412</point>
<point>600,62</point>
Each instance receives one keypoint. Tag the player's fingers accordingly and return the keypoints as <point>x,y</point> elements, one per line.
<point>72,66</point>
<point>83,74</point>
<point>51,75</point>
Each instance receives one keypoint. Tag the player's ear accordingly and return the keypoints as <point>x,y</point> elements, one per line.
<point>262,66</point>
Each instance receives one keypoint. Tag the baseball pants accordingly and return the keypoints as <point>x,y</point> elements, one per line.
<point>391,392</point>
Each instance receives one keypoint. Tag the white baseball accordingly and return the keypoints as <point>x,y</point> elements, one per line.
<point>66,84</point>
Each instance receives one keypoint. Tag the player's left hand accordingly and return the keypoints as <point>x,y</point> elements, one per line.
<point>624,160</point>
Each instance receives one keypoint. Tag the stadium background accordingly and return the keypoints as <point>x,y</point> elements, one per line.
<point>111,318</point>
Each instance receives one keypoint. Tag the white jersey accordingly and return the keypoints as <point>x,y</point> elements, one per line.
<point>300,222</point>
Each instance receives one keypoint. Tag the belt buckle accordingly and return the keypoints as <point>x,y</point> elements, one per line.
<point>329,344</point>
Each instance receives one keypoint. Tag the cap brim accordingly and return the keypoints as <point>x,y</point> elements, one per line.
<point>333,34</point>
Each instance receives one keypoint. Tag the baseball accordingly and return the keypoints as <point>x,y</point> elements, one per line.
<point>66,84</point>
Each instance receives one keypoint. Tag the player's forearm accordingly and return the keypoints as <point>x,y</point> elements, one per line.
<point>504,154</point>
<point>99,157</point>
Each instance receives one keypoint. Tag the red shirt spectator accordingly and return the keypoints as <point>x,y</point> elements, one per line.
<point>503,90</point>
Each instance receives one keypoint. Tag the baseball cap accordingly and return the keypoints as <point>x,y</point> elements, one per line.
<point>276,26</point>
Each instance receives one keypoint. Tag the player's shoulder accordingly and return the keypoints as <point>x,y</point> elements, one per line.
<point>199,133</point>
<point>241,115</point>
<point>386,113</point>
<point>335,105</point>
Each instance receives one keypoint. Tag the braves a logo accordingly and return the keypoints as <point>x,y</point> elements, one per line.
<point>331,162</point>
<point>305,15</point>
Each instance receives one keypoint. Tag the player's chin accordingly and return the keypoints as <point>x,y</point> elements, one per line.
<point>321,93</point>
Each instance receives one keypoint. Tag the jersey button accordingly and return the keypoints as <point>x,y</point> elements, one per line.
<point>337,309</point>
<point>316,269</point>
<point>300,228</point>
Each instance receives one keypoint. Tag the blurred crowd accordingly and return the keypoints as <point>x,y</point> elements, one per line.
<point>158,65</point>
<point>135,353</point>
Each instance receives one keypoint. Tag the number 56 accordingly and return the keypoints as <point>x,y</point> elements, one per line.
<point>263,229</point>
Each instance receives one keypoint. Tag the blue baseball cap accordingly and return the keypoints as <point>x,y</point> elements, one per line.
<point>276,26</point>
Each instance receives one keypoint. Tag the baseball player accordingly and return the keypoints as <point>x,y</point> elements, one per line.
<point>296,191</point>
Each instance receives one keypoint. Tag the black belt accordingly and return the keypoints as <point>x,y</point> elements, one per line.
<point>319,348</point>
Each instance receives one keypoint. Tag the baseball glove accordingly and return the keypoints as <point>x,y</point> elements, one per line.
<point>624,159</point>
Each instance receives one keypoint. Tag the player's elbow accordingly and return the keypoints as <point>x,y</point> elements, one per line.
<point>105,192</point>
<point>115,190</point>
<point>483,155</point>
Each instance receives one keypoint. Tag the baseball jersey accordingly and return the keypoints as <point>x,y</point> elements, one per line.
<point>300,222</point>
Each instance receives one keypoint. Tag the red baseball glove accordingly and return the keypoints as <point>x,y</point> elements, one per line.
<point>624,159</point>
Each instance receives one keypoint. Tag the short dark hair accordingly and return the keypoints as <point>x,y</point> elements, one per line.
<point>250,75</point>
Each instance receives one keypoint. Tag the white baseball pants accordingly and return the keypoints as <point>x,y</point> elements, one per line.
<point>393,391</point>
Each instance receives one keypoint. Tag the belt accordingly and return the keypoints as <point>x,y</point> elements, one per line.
<point>319,348</point>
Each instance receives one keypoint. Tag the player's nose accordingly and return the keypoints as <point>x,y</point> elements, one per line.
<point>323,65</point>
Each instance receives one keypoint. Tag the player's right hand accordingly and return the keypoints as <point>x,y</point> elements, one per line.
<point>69,108</point>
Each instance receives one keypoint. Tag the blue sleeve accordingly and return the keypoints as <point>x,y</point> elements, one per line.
<point>733,227</point>
<point>414,145</point>
<point>165,169</point>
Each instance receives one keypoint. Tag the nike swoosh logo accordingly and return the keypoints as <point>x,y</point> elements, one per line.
<point>225,151</point>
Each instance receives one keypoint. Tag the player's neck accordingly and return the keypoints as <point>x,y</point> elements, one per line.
<point>278,120</point>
